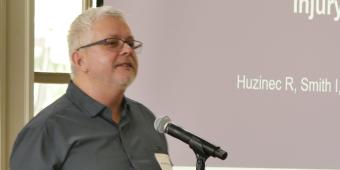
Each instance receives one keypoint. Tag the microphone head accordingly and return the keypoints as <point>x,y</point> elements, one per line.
<point>161,123</point>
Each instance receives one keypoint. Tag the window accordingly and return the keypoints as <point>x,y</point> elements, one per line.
<point>51,59</point>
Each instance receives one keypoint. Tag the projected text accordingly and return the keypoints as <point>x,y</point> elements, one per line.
<point>288,84</point>
<point>317,7</point>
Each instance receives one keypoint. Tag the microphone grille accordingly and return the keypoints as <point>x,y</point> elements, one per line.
<point>161,123</point>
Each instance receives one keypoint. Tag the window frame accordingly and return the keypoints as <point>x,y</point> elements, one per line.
<point>16,71</point>
<point>3,149</point>
<point>17,74</point>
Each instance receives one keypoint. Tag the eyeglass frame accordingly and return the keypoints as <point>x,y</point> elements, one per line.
<point>105,42</point>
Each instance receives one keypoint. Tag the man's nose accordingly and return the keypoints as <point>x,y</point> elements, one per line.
<point>126,49</point>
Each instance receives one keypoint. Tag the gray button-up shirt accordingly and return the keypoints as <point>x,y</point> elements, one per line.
<point>77,133</point>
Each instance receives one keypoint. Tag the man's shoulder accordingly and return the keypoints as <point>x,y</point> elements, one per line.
<point>133,103</point>
<point>136,106</point>
<point>51,112</point>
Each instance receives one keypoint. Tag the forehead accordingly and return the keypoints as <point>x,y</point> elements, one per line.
<point>111,26</point>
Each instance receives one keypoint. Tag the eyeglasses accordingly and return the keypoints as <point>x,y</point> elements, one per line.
<point>115,43</point>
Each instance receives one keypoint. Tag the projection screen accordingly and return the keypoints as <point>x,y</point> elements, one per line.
<point>261,79</point>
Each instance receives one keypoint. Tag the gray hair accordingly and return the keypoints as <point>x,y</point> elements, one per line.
<point>79,32</point>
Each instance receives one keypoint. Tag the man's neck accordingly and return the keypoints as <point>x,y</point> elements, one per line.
<point>111,97</point>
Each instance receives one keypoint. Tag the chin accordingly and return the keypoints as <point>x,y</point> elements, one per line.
<point>125,83</point>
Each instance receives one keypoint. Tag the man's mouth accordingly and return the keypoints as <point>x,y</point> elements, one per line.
<point>127,65</point>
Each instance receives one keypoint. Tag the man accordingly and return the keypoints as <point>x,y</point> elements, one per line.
<point>94,126</point>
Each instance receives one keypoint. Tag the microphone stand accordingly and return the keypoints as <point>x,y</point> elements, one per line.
<point>196,145</point>
<point>200,162</point>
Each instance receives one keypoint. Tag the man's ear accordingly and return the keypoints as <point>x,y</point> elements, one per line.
<point>79,61</point>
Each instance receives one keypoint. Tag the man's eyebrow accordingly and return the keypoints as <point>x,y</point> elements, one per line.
<point>113,36</point>
<point>129,38</point>
<point>125,38</point>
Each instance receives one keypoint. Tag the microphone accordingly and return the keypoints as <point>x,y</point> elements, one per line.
<point>164,125</point>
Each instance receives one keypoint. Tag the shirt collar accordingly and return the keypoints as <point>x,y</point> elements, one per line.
<point>86,103</point>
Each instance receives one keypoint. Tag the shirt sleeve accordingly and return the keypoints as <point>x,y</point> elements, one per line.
<point>34,150</point>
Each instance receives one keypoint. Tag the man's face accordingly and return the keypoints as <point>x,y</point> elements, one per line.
<point>107,65</point>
